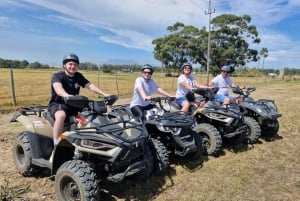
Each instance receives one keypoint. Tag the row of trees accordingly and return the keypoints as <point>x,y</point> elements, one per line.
<point>109,68</point>
<point>231,37</point>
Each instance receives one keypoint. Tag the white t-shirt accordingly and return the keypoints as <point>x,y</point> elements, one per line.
<point>182,91</point>
<point>149,87</point>
<point>223,83</point>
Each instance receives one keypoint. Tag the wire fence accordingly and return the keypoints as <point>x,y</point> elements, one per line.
<point>24,87</point>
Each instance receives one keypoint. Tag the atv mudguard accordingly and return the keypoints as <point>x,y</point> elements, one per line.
<point>34,124</point>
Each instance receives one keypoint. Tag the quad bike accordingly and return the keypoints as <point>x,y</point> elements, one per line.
<point>173,129</point>
<point>91,149</point>
<point>216,124</point>
<point>263,111</point>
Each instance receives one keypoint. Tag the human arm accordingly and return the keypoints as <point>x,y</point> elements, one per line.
<point>143,93</point>
<point>95,89</point>
<point>202,86</point>
<point>163,92</point>
<point>58,88</point>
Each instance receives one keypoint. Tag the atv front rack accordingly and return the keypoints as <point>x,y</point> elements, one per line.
<point>117,130</point>
<point>173,119</point>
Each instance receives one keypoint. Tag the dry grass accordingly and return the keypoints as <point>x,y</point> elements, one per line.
<point>270,170</point>
<point>32,87</point>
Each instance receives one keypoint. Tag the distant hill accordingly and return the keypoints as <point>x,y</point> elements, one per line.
<point>121,62</point>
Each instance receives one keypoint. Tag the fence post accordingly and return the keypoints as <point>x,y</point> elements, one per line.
<point>12,88</point>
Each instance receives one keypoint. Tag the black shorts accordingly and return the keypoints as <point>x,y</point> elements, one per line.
<point>69,110</point>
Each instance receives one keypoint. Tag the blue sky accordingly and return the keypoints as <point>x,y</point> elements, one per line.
<point>102,30</point>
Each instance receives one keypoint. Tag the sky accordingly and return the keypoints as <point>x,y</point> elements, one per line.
<point>101,31</point>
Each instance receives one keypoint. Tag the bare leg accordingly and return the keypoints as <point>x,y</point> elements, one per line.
<point>185,106</point>
<point>58,126</point>
<point>226,101</point>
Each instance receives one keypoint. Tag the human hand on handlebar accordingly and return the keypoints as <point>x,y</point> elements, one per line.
<point>148,98</point>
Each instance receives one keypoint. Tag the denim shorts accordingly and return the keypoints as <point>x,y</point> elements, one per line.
<point>220,97</point>
<point>180,100</point>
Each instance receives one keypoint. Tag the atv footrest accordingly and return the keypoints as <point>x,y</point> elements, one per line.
<point>132,169</point>
<point>186,151</point>
<point>41,162</point>
<point>240,130</point>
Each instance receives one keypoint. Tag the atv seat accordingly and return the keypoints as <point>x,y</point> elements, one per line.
<point>68,121</point>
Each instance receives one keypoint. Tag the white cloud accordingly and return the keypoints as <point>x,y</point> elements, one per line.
<point>133,24</point>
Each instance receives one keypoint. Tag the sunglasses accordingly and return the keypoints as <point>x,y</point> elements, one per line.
<point>147,72</point>
<point>225,72</point>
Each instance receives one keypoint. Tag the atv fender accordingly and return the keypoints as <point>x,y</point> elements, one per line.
<point>35,124</point>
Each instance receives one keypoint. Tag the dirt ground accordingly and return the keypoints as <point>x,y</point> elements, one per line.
<point>273,171</point>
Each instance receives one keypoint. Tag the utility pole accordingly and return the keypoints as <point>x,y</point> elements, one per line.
<point>209,12</point>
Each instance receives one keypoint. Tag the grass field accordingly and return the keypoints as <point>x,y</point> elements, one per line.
<point>266,171</point>
<point>32,87</point>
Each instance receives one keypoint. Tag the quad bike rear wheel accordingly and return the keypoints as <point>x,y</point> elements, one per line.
<point>253,130</point>
<point>76,180</point>
<point>22,155</point>
<point>161,157</point>
<point>211,138</point>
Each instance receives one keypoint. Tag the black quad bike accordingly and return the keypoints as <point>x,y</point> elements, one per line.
<point>264,111</point>
<point>93,148</point>
<point>216,124</point>
<point>173,129</point>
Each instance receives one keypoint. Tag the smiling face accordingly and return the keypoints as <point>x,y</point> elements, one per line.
<point>224,73</point>
<point>146,74</point>
<point>187,70</point>
<point>71,67</point>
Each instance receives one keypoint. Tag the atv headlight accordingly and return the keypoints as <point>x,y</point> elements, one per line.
<point>96,145</point>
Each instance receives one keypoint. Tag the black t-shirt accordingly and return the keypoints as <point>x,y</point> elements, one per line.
<point>70,84</point>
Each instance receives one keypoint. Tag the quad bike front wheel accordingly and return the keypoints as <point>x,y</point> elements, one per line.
<point>268,131</point>
<point>76,180</point>
<point>145,173</point>
<point>161,157</point>
<point>211,138</point>
<point>22,155</point>
<point>199,151</point>
<point>253,130</point>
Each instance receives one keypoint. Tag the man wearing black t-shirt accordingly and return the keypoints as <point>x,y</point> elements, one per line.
<point>63,84</point>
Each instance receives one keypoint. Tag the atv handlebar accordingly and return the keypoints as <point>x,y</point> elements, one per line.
<point>162,98</point>
<point>81,102</point>
<point>243,91</point>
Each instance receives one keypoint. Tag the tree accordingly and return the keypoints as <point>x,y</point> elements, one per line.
<point>263,53</point>
<point>231,37</point>
<point>182,45</point>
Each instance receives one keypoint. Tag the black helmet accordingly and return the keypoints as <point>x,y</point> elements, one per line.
<point>147,66</point>
<point>187,64</point>
<point>70,57</point>
<point>227,69</point>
